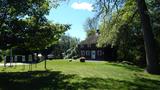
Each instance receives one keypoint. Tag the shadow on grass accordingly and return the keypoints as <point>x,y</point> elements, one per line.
<point>34,80</point>
<point>126,66</point>
<point>112,84</point>
<point>52,80</point>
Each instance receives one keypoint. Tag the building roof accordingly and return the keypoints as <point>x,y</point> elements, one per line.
<point>92,39</point>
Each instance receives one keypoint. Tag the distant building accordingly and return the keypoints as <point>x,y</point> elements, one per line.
<point>90,51</point>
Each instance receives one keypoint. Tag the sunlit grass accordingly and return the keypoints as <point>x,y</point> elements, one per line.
<point>88,75</point>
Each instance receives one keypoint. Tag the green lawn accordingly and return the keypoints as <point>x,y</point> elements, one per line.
<point>62,74</point>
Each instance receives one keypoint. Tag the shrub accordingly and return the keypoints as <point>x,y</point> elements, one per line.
<point>82,59</point>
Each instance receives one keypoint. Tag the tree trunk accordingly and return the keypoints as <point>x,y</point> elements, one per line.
<point>45,64</point>
<point>149,41</point>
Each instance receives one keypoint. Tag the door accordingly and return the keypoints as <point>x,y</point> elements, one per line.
<point>93,54</point>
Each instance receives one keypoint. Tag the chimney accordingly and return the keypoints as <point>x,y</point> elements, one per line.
<point>97,32</point>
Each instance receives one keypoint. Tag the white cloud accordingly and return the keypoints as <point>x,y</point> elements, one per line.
<point>82,6</point>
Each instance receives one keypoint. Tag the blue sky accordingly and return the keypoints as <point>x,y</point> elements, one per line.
<point>75,12</point>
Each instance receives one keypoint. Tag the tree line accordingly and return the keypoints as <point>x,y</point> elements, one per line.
<point>132,26</point>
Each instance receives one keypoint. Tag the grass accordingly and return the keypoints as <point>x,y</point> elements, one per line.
<point>62,74</point>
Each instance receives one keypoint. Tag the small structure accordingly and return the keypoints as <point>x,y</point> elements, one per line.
<point>90,51</point>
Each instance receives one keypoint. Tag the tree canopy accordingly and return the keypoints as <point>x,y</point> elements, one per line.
<point>23,23</point>
<point>123,24</point>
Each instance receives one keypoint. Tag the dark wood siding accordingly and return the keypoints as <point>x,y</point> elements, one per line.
<point>101,53</point>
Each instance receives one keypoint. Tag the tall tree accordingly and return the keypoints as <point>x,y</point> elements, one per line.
<point>149,41</point>
<point>123,32</point>
<point>66,47</point>
<point>107,7</point>
<point>90,26</point>
<point>24,23</point>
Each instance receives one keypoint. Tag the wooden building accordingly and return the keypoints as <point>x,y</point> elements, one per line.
<point>90,51</point>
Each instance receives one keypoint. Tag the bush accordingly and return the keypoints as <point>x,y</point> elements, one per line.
<point>75,57</point>
<point>82,59</point>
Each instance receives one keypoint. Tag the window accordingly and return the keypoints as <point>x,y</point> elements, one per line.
<point>87,53</point>
<point>82,53</point>
<point>99,53</point>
